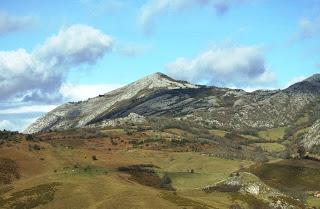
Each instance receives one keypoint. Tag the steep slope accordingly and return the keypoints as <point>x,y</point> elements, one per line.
<point>79,114</point>
<point>159,95</point>
<point>311,140</point>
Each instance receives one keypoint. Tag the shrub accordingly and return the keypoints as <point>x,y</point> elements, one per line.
<point>29,137</point>
<point>235,206</point>
<point>165,181</point>
<point>34,147</point>
<point>301,152</point>
<point>94,157</point>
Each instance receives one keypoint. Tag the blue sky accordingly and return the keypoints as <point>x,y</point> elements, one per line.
<point>51,53</point>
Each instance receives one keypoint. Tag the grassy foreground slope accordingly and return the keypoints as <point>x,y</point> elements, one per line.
<point>61,173</point>
<point>123,168</point>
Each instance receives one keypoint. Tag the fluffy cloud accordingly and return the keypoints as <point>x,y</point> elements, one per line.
<point>41,73</point>
<point>153,8</point>
<point>225,66</point>
<point>17,124</point>
<point>28,109</point>
<point>6,124</point>
<point>10,23</point>
<point>78,44</point>
<point>308,28</point>
<point>17,116</point>
<point>82,92</point>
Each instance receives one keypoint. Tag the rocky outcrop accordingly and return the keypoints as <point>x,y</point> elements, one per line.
<point>312,138</point>
<point>159,95</point>
<point>249,185</point>
<point>245,183</point>
<point>132,118</point>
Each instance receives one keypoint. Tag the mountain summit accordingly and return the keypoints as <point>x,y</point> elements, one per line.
<point>314,78</point>
<point>160,95</point>
<point>79,114</point>
<point>160,80</point>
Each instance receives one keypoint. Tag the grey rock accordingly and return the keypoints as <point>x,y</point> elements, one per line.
<point>160,95</point>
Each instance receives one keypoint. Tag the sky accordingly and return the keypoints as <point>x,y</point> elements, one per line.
<point>55,52</point>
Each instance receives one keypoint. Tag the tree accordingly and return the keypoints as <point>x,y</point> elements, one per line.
<point>165,181</point>
<point>301,152</point>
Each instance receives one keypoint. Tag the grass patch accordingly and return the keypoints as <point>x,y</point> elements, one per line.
<point>271,147</point>
<point>184,202</point>
<point>207,170</point>
<point>302,120</point>
<point>219,133</point>
<point>30,198</point>
<point>313,202</point>
<point>250,137</point>
<point>86,170</point>
<point>146,175</point>
<point>289,177</point>
<point>273,134</point>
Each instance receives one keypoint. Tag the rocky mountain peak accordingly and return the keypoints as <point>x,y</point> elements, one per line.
<point>309,85</point>
<point>314,78</point>
<point>160,80</point>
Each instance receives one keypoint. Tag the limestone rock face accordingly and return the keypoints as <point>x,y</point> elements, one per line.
<point>80,114</point>
<point>131,118</point>
<point>160,95</point>
<point>312,138</point>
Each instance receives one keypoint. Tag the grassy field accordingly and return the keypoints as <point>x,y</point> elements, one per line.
<point>82,170</point>
<point>219,133</point>
<point>61,176</point>
<point>273,134</point>
<point>271,147</point>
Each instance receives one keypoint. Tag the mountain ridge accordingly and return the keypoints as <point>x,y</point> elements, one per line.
<point>160,95</point>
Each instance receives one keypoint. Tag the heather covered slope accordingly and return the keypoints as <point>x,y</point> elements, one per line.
<point>159,95</point>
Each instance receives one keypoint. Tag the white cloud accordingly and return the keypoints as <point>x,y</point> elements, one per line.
<point>242,66</point>
<point>10,23</point>
<point>83,92</point>
<point>308,28</point>
<point>28,109</point>
<point>17,124</point>
<point>6,124</point>
<point>77,44</point>
<point>41,73</point>
<point>153,8</point>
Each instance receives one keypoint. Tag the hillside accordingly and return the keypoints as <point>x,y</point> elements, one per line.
<point>159,95</point>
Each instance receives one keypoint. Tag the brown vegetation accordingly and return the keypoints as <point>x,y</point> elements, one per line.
<point>8,171</point>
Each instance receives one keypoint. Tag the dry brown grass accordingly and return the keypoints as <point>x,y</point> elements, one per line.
<point>9,171</point>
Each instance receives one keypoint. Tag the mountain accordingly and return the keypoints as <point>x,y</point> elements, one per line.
<point>79,114</point>
<point>160,95</point>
